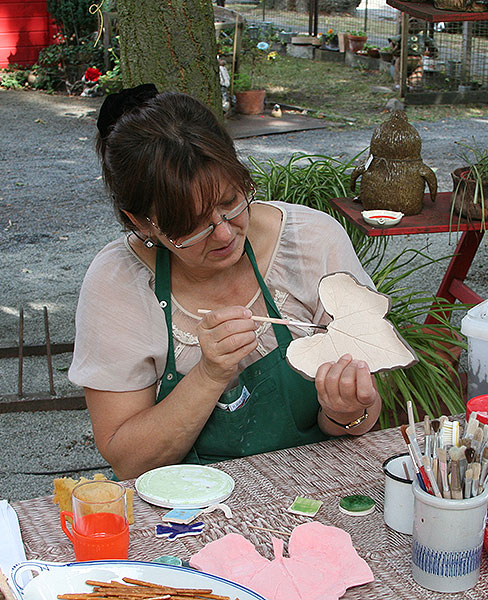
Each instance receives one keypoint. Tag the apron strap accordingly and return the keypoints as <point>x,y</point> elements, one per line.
<point>282,333</point>
<point>162,289</point>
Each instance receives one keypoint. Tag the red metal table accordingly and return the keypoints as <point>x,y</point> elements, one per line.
<point>434,218</point>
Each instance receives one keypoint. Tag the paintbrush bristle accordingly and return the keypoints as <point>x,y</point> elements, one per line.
<point>403,429</point>
<point>435,425</point>
<point>442,455</point>
<point>485,453</point>
<point>456,453</point>
<point>426,425</point>
<point>471,428</point>
<point>469,453</point>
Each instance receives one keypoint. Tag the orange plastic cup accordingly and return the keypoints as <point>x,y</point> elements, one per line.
<point>100,529</point>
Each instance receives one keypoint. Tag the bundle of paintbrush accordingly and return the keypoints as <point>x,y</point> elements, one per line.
<point>454,463</point>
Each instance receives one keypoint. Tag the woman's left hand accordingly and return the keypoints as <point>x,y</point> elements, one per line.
<point>345,389</point>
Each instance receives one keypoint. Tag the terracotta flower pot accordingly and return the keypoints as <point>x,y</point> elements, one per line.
<point>356,42</point>
<point>463,195</point>
<point>250,102</point>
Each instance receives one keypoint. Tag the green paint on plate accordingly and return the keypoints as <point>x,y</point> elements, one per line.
<point>357,504</point>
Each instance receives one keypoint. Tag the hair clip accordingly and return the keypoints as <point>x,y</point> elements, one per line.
<point>115,105</point>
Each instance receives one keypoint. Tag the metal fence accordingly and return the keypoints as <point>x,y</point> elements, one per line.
<point>461,49</point>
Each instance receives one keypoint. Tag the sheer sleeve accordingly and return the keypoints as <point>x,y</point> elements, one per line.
<point>313,245</point>
<point>121,336</point>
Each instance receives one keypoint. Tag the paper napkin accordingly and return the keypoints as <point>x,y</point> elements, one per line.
<point>11,546</point>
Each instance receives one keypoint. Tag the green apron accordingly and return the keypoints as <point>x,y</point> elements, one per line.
<point>272,406</point>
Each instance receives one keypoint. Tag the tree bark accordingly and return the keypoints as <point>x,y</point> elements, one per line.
<point>171,44</point>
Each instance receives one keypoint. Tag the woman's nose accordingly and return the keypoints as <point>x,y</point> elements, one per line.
<point>223,230</point>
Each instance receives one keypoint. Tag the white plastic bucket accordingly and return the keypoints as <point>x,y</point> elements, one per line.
<point>475,327</point>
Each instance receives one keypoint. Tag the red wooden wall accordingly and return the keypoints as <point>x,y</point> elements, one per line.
<point>25,28</point>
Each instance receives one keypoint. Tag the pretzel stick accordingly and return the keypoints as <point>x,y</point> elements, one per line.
<point>202,592</point>
<point>136,589</point>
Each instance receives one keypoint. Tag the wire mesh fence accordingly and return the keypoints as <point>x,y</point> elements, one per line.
<point>457,56</point>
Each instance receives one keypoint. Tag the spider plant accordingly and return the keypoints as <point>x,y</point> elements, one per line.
<point>311,180</point>
<point>470,184</point>
<point>433,384</point>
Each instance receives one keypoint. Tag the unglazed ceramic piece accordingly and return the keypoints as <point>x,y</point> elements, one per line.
<point>358,328</point>
<point>322,564</point>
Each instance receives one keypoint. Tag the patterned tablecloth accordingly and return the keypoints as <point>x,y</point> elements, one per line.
<point>266,485</point>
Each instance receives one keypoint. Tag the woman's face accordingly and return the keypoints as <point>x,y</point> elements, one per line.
<point>224,244</point>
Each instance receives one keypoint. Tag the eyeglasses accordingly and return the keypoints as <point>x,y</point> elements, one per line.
<point>197,238</point>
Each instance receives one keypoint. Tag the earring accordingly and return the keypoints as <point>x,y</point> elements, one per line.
<point>148,242</point>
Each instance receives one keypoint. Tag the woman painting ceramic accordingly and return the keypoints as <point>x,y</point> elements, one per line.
<point>163,383</point>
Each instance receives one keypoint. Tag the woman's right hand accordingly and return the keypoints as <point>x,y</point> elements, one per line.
<point>226,336</point>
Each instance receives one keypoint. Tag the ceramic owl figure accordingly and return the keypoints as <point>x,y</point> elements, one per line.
<point>394,176</point>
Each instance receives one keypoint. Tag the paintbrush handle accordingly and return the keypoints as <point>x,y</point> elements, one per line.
<point>416,468</point>
<point>204,311</point>
<point>417,457</point>
<point>426,479</point>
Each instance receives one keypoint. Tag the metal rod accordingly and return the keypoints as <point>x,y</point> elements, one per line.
<point>21,352</point>
<point>316,18</point>
<point>48,354</point>
<point>33,350</point>
<point>404,54</point>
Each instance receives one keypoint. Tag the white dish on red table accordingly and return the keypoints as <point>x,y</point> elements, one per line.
<point>69,578</point>
<point>382,218</point>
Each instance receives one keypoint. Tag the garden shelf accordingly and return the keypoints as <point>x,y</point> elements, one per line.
<point>427,12</point>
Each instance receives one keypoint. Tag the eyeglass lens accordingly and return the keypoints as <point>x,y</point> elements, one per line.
<point>232,214</point>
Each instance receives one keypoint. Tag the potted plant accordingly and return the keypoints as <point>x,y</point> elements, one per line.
<point>330,40</point>
<point>249,100</point>
<point>470,184</point>
<point>373,51</point>
<point>386,54</point>
<point>356,40</point>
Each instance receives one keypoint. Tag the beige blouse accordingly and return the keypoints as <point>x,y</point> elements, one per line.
<point>121,335</point>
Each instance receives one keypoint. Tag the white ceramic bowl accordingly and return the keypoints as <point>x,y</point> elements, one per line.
<point>66,578</point>
<point>382,218</point>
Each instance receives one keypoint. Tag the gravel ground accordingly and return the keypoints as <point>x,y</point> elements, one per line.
<point>54,217</point>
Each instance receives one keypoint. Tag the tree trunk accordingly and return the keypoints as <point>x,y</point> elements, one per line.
<point>171,44</point>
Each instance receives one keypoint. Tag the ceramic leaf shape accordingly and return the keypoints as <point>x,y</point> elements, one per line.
<point>322,564</point>
<point>358,328</point>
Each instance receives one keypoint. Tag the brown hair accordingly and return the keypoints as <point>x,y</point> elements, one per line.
<point>162,156</point>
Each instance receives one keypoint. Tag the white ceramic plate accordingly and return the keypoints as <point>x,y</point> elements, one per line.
<point>382,218</point>
<point>184,486</point>
<point>69,578</point>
